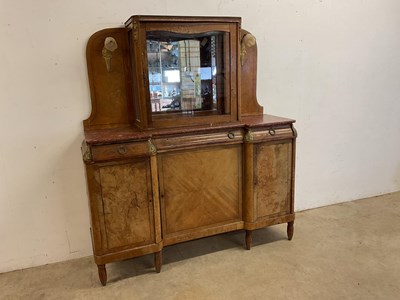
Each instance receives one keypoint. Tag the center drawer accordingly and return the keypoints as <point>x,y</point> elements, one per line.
<point>196,140</point>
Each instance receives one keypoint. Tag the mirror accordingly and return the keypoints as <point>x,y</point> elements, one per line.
<point>186,72</point>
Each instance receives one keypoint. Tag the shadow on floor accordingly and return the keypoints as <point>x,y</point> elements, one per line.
<point>185,251</point>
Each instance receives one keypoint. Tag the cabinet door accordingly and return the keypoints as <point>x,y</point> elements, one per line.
<point>126,210</point>
<point>273,178</point>
<point>200,189</point>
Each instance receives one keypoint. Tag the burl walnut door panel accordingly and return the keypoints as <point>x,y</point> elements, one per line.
<point>272,174</point>
<point>127,218</point>
<point>200,188</point>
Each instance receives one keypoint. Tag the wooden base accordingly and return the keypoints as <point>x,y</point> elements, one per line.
<point>102,274</point>
<point>158,261</point>
<point>290,230</point>
<point>249,239</point>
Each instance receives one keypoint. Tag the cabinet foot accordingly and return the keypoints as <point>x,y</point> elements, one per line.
<point>290,229</point>
<point>158,261</point>
<point>249,239</point>
<point>102,274</point>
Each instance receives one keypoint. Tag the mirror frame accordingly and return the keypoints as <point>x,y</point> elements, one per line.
<point>140,106</point>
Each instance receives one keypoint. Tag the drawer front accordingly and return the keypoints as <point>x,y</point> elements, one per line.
<point>192,141</point>
<point>272,133</point>
<point>120,151</point>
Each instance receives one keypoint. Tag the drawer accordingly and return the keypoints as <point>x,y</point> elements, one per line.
<point>272,134</point>
<point>192,141</point>
<point>120,151</point>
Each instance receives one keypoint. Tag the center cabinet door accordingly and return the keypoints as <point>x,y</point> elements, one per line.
<point>200,192</point>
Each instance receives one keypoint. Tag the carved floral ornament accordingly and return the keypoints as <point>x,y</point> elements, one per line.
<point>110,45</point>
<point>248,41</point>
<point>152,148</point>
<point>87,154</point>
<point>248,137</point>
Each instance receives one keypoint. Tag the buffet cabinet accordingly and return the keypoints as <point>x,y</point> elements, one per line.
<point>226,166</point>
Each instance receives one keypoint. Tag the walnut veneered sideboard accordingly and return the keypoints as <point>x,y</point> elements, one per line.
<point>177,147</point>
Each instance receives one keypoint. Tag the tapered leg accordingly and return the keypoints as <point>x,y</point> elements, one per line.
<point>158,261</point>
<point>290,229</point>
<point>249,239</point>
<point>102,274</point>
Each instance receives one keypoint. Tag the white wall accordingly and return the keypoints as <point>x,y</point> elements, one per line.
<point>332,65</point>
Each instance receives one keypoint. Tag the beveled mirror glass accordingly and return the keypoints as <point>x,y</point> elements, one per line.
<point>187,72</point>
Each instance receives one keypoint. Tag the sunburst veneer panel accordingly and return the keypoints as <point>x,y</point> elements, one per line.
<point>201,188</point>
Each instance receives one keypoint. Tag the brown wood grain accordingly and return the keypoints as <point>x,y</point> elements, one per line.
<point>249,105</point>
<point>248,181</point>
<point>201,188</point>
<point>121,135</point>
<point>122,254</point>
<point>119,151</point>
<point>156,198</point>
<point>202,232</point>
<point>183,19</point>
<point>225,137</point>
<point>269,221</point>
<point>272,188</point>
<point>102,274</point>
<point>158,180</point>
<point>94,194</point>
<point>109,90</point>
<point>128,218</point>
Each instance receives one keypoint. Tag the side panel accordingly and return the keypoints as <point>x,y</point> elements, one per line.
<point>109,79</point>
<point>248,64</point>
<point>273,178</point>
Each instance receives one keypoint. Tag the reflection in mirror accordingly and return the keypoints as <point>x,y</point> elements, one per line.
<point>186,72</point>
